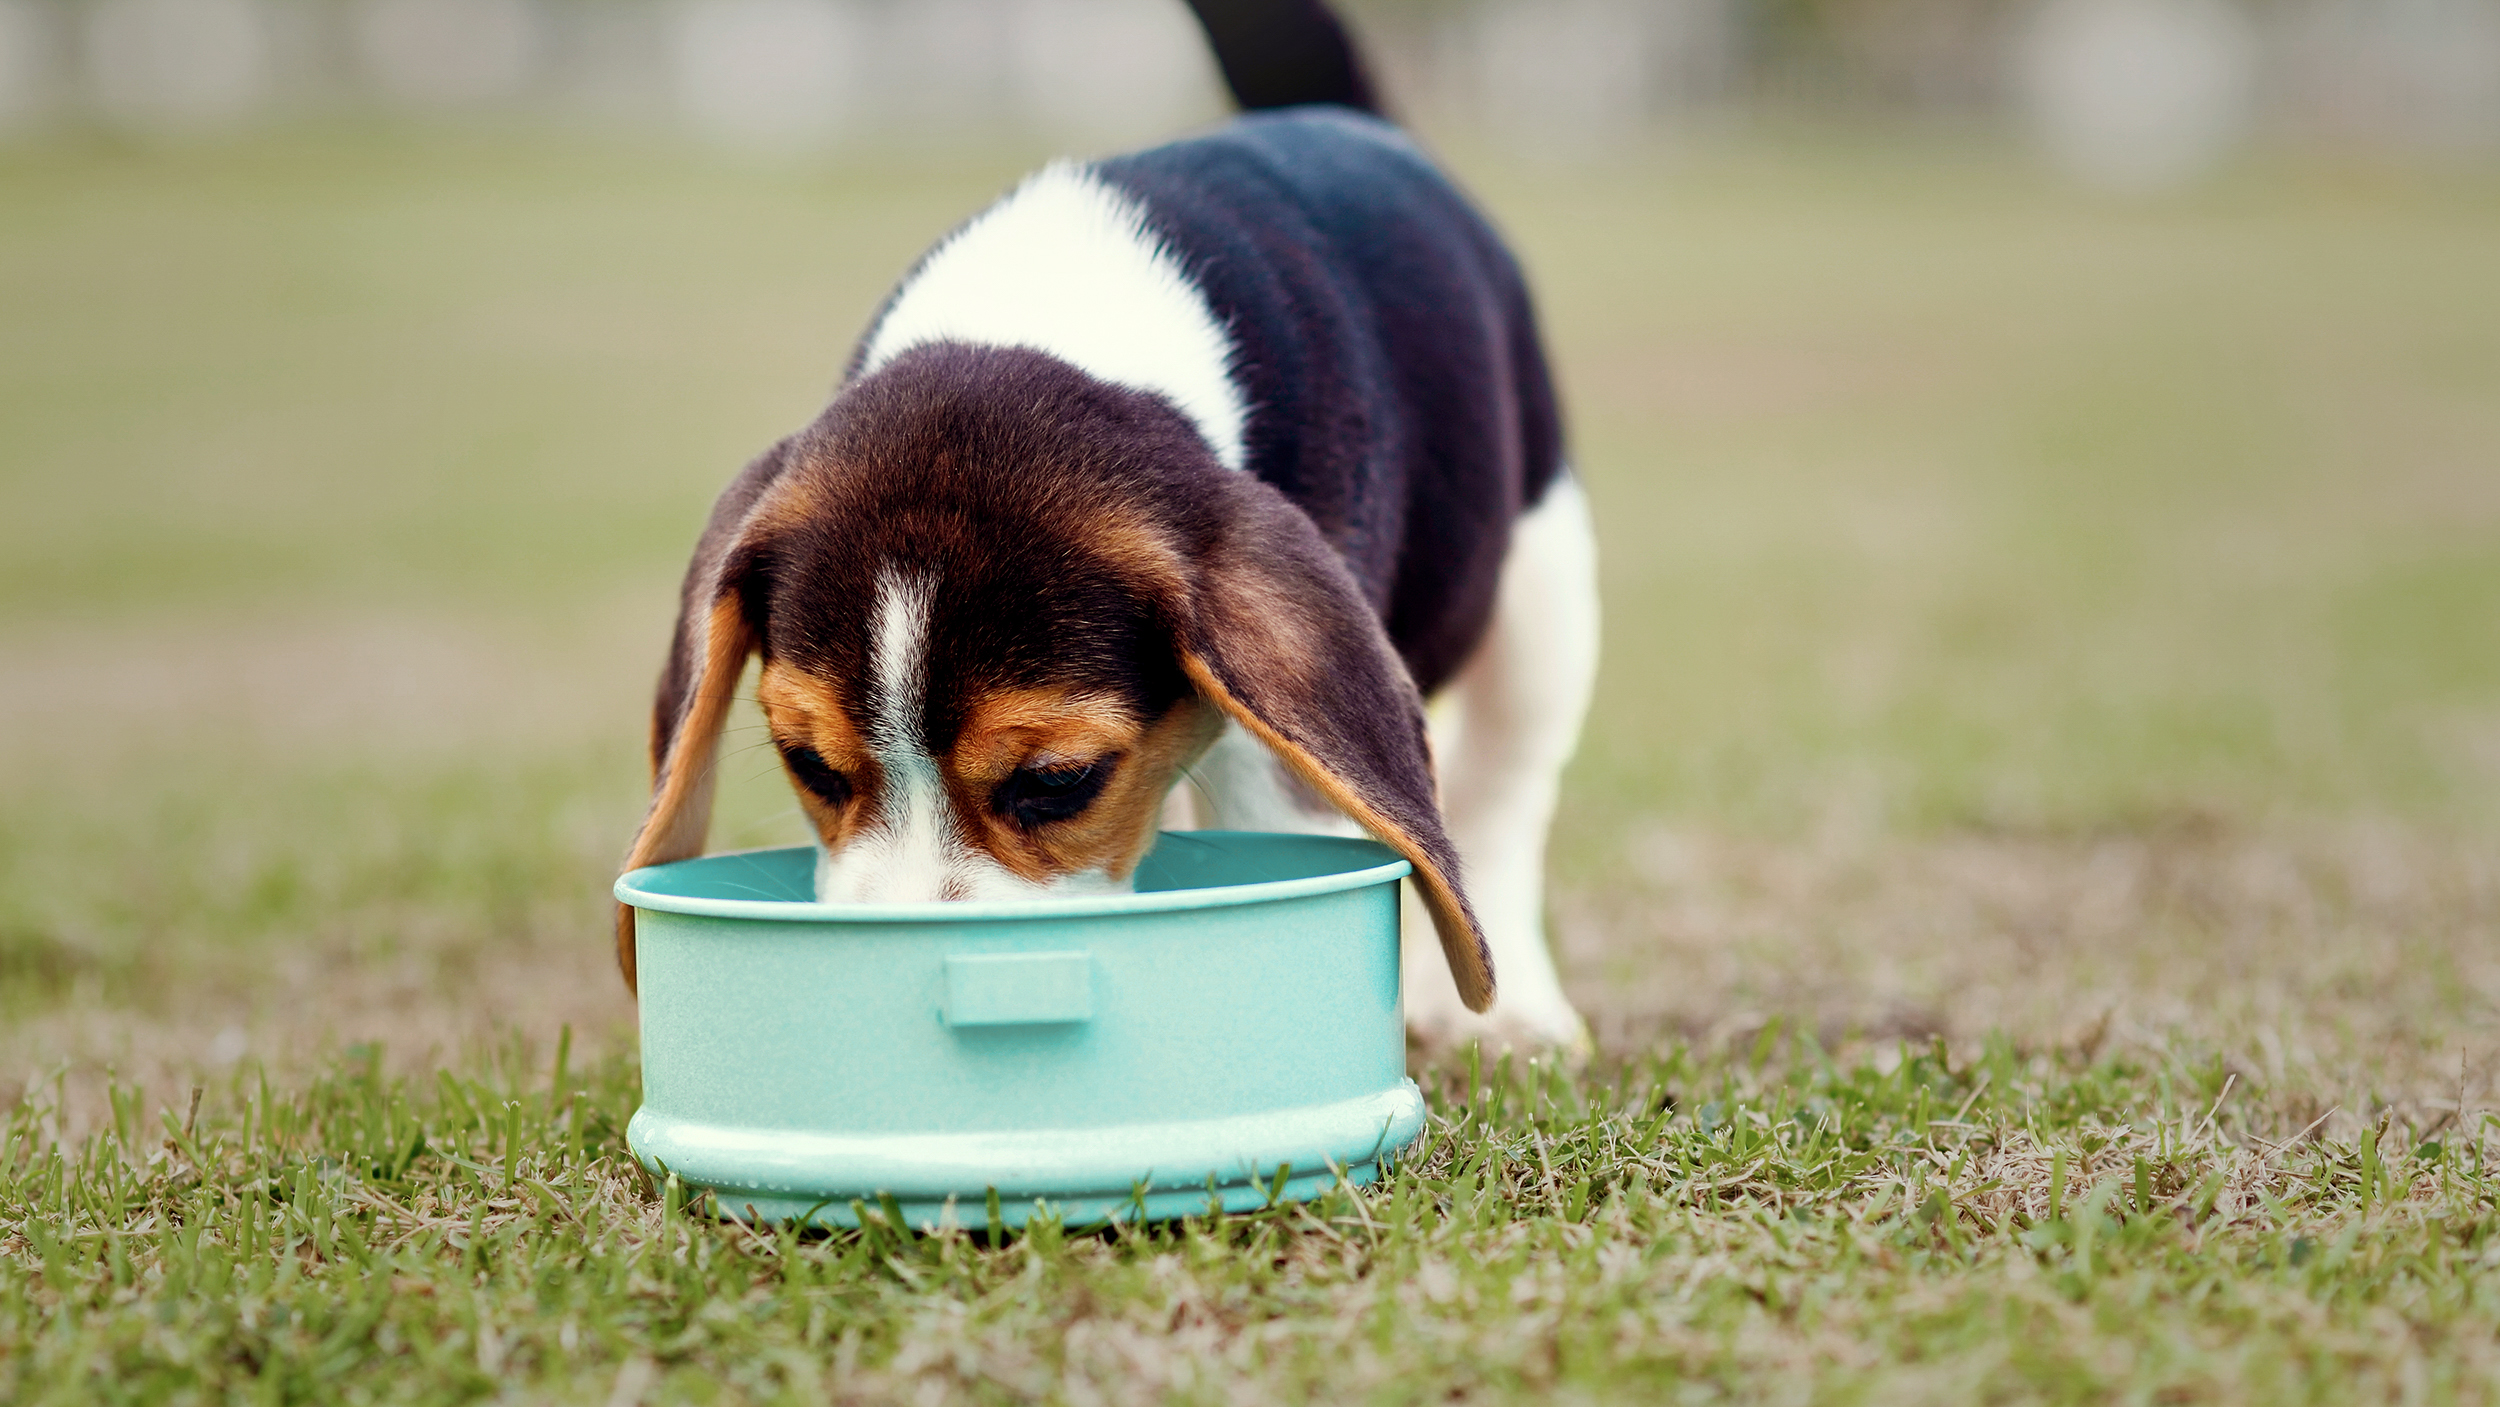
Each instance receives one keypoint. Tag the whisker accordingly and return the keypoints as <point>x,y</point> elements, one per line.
<point>1198,784</point>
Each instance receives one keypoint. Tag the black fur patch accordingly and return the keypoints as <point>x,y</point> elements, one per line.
<point>1282,53</point>
<point>1386,345</point>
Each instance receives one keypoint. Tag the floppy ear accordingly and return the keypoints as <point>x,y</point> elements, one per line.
<point>714,637</point>
<point>1278,636</point>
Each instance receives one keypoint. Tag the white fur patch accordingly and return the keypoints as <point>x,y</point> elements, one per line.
<point>898,659</point>
<point>1066,265</point>
<point>911,852</point>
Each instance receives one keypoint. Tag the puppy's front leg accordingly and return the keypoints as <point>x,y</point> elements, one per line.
<point>1501,735</point>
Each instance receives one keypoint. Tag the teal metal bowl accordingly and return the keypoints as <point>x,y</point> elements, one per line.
<point>1228,1035</point>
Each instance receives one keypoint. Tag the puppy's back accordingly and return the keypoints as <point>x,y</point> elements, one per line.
<point>1384,348</point>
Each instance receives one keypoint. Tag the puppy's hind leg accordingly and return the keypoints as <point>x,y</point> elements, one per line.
<point>1501,733</point>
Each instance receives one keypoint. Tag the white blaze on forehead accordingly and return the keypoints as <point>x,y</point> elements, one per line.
<point>898,660</point>
<point>1067,265</point>
<point>912,850</point>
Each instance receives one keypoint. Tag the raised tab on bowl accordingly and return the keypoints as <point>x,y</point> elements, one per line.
<point>1019,989</point>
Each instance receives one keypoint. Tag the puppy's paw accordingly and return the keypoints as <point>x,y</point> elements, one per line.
<point>1527,1028</point>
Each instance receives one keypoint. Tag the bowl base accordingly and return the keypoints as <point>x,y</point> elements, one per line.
<point>731,1204</point>
<point>1081,1176</point>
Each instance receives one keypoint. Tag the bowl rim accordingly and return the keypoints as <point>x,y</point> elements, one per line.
<point>630,890</point>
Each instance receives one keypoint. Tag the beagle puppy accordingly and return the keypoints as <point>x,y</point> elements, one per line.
<point>1208,464</point>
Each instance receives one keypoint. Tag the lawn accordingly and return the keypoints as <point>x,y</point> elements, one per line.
<point>2031,871</point>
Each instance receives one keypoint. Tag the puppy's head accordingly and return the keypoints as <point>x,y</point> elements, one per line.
<point>1000,605</point>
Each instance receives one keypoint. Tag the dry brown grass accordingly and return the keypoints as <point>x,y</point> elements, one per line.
<point>2349,969</point>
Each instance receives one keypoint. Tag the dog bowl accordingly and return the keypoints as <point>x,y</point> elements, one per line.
<point>1228,1035</point>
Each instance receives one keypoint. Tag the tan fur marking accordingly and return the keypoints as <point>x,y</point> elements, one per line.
<point>681,805</point>
<point>1005,729</point>
<point>795,500</point>
<point>803,709</point>
<point>1459,944</point>
<point>1028,727</point>
<point>1136,548</point>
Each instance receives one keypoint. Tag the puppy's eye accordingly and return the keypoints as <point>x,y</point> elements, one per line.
<point>815,774</point>
<point>1035,796</point>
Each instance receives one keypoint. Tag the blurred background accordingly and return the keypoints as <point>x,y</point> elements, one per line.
<point>2131,93</point>
<point>2047,456</point>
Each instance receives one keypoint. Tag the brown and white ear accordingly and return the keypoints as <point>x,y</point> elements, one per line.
<point>713,639</point>
<point>1278,635</point>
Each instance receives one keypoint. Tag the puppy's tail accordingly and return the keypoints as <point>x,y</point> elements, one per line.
<point>1280,53</point>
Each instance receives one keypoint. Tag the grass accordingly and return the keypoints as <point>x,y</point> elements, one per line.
<point>2029,870</point>
<point>1768,1225</point>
